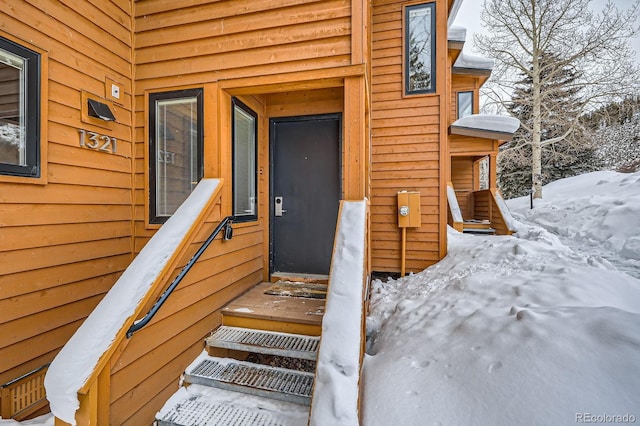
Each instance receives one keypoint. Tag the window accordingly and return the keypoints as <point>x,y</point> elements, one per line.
<point>245,172</point>
<point>19,110</point>
<point>175,150</point>
<point>465,104</point>
<point>419,47</point>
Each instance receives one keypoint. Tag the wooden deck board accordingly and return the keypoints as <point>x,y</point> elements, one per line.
<point>256,304</point>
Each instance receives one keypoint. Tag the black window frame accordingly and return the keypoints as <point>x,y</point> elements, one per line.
<point>236,103</point>
<point>198,93</point>
<point>33,89</point>
<point>465,92</point>
<point>407,48</point>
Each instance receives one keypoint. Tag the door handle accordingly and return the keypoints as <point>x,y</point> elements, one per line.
<point>278,210</point>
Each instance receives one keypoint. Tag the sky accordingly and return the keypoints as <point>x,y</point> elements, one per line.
<point>469,17</point>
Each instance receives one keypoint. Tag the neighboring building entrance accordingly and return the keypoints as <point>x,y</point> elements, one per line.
<point>305,192</point>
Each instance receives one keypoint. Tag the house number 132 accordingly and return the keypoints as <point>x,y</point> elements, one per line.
<point>97,141</point>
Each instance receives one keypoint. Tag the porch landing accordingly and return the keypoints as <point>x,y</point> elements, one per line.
<point>255,309</point>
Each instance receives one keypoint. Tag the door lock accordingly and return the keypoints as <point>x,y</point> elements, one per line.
<point>278,210</point>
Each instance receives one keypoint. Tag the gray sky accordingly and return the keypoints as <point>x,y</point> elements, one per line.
<point>469,18</point>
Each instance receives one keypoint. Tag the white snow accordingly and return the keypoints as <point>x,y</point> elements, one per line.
<point>454,207</point>
<point>336,389</point>
<point>597,213</point>
<point>505,211</point>
<point>72,366</point>
<point>489,122</point>
<point>46,420</point>
<point>516,329</point>
<point>270,410</point>
<point>473,62</point>
<point>457,33</point>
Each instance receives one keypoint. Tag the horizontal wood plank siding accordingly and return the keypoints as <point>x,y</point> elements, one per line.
<point>64,243</point>
<point>463,184</point>
<point>406,132</point>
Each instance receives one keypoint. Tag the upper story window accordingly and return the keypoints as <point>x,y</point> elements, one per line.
<point>419,45</point>
<point>465,104</point>
<point>19,110</point>
<point>245,162</point>
<point>175,150</point>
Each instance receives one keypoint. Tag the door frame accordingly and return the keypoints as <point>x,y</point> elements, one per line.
<point>298,118</point>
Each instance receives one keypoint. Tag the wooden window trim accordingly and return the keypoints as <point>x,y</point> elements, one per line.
<point>236,103</point>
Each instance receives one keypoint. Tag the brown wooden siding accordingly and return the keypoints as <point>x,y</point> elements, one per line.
<point>64,242</point>
<point>463,183</point>
<point>406,149</point>
<point>203,42</point>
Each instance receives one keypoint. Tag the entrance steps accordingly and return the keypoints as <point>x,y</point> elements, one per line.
<point>251,372</point>
<point>480,227</point>
<point>232,391</point>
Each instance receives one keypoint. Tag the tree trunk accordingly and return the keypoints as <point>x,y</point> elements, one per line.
<point>536,134</point>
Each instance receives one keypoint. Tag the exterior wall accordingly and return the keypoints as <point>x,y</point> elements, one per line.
<point>65,239</point>
<point>463,183</point>
<point>203,45</point>
<point>409,144</point>
<point>463,84</point>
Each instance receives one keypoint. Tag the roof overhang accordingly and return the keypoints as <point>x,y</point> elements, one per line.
<point>497,127</point>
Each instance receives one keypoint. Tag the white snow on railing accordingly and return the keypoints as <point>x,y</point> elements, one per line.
<point>454,207</point>
<point>76,361</point>
<point>336,390</point>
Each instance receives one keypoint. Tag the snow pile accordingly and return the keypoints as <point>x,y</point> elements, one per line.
<point>596,213</point>
<point>511,330</point>
<point>76,361</point>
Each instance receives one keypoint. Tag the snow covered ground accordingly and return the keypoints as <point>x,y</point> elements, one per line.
<point>541,328</point>
<point>597,214</point>
<point>533,329</point>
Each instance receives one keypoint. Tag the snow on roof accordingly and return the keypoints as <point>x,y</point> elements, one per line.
<point>76,361</point>
<point>457,33</point>
<point>473,62</point>
<point>489,122</point>
<point>454,11</point>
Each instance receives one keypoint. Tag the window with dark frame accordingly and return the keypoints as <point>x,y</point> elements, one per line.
<point>245,162</point>
<point>465,104</point>
<point>19,110</point>
<point>419,45</point>
<point>175,150</point>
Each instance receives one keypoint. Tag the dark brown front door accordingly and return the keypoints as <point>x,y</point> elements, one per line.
<point>305,192</point>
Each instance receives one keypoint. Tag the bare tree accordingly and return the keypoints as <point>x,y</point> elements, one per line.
<point>595,45</point>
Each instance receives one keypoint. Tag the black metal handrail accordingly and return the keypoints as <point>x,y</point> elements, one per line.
<point>24,376</point>
<point>228,233</point>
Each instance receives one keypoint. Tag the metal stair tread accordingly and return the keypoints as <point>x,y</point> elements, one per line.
<point>265,342</point>
<point>204,406</point>
<point>262,380</point>
<point>479,231</point>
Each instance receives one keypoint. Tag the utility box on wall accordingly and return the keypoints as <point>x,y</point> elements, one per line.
<point>409,214</point>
